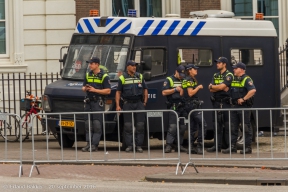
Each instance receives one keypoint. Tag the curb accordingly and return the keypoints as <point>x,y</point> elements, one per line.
<point>222,178</point>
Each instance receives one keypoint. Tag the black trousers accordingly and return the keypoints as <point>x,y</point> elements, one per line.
<point>172,129</point>
<point>96,121</point>
<point>236,119</point>
<point>195,123</point>
<point>139,123</point>
<point>222,124</point>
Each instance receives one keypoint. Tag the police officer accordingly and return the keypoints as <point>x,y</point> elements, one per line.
<point>97,86</point>
<point>220,87</point>
<point>133,89</point>
<point>172,89</point>
<point>191,88</point>
<point>242,93</point>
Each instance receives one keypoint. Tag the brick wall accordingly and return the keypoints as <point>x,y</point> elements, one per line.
<point>197,5</point>
<point>84,6</point>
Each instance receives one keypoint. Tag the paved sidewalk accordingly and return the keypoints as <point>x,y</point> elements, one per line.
<point>140,173</point>
<point>261,172</point>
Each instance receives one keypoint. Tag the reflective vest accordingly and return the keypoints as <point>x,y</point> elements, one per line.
<point>218,78</point>
<point>132,86</point>
<point>95,81</point>
<point>189,83</point>
<point>175,97</point>
<point>104,68</point>
<point>238,89</point>
<point>179,58</point>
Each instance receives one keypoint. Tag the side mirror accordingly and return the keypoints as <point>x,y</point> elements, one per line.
<point>147,76</point>
<point>63,60</point>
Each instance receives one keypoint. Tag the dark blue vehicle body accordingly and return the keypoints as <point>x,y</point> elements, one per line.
<point>159,56</point>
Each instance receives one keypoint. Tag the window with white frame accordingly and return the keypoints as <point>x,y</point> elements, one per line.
<point>148,8</point>
<point>2,28</point>
<point>246,9</point>
<point>120,7</point>
<point>242,8</point>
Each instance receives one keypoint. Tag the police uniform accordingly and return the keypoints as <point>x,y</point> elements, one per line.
<point>95,102</point>
<point>239,88</point>
<point>175,102</point>
<point>196,117</point>
<point>131,88</point>
<point>221,100</point>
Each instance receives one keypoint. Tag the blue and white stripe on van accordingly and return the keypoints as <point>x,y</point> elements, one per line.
<point>176,26</point>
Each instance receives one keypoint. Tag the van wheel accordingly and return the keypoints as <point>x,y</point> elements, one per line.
<point>67,142</point>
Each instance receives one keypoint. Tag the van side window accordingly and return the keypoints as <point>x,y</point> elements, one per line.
<point>247,56</point>
<point>200,57</point>
<point>157,59</point>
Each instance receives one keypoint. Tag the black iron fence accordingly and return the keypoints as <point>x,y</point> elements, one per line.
<point>14,86</point>
<point>283,62</point>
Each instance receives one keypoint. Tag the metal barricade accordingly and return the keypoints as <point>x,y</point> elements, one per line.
<point>92,157</point>
<point>11,132</point>
<point>256,154</point>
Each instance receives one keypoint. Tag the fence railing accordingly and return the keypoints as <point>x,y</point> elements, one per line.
<point>90,157</point>
<point>273,153</point>
<point>13,87</point>
<point>283,62</point>
<point>8,154</point>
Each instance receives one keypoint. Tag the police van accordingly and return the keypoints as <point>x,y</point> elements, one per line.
<point>160,45</point>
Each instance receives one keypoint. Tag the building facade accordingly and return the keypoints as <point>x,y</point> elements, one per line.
<point>33,31</point>
<point>273,10</point>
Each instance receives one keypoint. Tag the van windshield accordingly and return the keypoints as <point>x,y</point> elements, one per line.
<point>112,60</point>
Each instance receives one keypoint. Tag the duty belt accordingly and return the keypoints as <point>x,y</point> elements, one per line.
<point>248,102</point>
<point>220,99</point>
<point>132,101</point>
<point>194,101</point>
<point>174,103</point>
<point>95,99</point>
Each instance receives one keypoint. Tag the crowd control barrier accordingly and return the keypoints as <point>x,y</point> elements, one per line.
<point>270,153</point>
<point>11,132</point>
<point>54,155</point>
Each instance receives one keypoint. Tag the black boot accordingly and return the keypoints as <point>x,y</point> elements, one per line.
<point>233,150</point>
<point>213,149</point>
<point>85,149</point>
<point>93,148</point>
<point>129,149</point>
<point>168,148</point>
<point>193,150</point>
<point>199,149</point>
<point>139,149</point>
<point>182,149</point>
<point>248,150</point>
